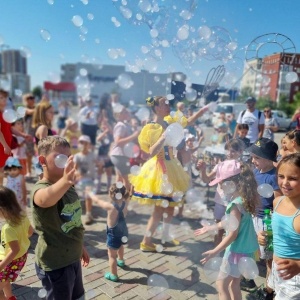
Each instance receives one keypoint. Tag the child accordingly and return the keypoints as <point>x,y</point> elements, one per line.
<point>16,181</point>
<point>234,149</point>
<point>242,241</point>
<point>86,163</point>
<point>15,242</point>
<point>71,133</point>
<point>263,153</point>
<point>285,275</point>
<point>56,214</point>
<point>242,131</point>
<point>20,151</point>
<point>105,138</point>
<point>116,228</point>
<point>292,141</point>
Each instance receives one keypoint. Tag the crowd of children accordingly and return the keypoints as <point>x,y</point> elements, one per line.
<point>57,209</point>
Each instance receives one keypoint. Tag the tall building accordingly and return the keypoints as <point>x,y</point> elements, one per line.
<point>271,76</point>
<point>12,61</point>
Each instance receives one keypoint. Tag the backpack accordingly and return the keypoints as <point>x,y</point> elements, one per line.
<point>259,114</point>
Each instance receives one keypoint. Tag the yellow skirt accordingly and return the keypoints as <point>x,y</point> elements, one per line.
<point>158,180</point>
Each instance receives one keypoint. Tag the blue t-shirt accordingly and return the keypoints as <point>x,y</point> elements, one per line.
<point>271,179</point>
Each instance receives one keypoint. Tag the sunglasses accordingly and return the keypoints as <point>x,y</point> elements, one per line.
<point>30,98</point>
<point>266,110</point>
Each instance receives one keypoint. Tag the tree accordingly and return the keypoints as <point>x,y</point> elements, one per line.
<point>37,92</point>
<point>245,93</point>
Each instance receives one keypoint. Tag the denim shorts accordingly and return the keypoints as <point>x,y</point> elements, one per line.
<point>65,283</point>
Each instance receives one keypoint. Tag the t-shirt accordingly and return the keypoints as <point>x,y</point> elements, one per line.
<point>121,130</point>
<point>271,179</point>
<point>246,240</point>
<point>59,228</point>
<point>10,233</point>
<point>267,132</point>
<point>85,163</point>
<point>251,118</point>
<point>88,115</point>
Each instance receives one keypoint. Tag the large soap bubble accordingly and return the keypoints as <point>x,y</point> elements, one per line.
<point>77,20</point>
<point>143,114</point>
<point>9,115</point>
<point>61,161</point>
<point>42,293</point>
<point>248,267</point>
<point>131,150</point>
<point>124,81</point>
<point>212,268</point>
<point>135,170</point>
<point>229,222</point>
<point>157,286</point>
<point>192,195</point>
<point>174,134</point>
<point>265,190</point>
<point>21,111</point>
<point>228,187</point>
<point>291,77</point>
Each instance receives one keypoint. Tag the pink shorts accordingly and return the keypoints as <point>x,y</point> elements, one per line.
<point>12,271</point>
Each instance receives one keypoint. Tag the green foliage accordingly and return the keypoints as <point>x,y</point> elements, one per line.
<point>37,92</point>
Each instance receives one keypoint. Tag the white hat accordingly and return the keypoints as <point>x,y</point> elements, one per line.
<point>189,136</point>
<point>84,138</point>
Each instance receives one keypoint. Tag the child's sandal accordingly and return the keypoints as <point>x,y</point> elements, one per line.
<point>121,263</point>
<point>111,277</point>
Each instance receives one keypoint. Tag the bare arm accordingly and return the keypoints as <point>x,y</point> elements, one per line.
<point>42,132</point>
<point>261,128</point>
<point>122,141</point>
<point>30,231</point>
<point>103,204</point>
<point>155,148</point>
<point>197,115</point>
<point>49,196</point>
<point>14,249</point>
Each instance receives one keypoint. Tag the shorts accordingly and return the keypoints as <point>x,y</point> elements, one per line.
<point>259,226</point>
<point>219,211</point>
<point>12,270</point>
<point>284,289</point>
<point>106,160</point>
<point>65,283</point>
<point>121,163</point>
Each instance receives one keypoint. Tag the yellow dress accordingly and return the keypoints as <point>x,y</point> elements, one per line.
<point>159,171</point>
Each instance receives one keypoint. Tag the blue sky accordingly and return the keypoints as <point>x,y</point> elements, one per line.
<point>238,21</point>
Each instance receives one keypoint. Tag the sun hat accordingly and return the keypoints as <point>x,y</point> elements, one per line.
<point>225,170</point>
<point>12,162</point>
<point>264,148</point>
<point>249,99</point>
<point>84,138</point>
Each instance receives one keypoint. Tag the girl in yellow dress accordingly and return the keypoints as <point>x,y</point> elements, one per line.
<point>162,180</point>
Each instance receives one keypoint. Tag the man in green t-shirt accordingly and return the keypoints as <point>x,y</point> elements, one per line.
<point>57,221</point>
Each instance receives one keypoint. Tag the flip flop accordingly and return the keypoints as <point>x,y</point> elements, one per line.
<point>121,263</point>
<point>111,277</point>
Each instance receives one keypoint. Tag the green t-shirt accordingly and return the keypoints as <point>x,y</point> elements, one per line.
<point>59,228</point>
<point>246,240</point>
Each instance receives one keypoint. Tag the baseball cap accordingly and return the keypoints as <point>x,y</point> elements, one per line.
<point>225,170</point>
<point>84,138</point>
<point>249,99</point>
<point>12,162</point>
<point>264,148</point>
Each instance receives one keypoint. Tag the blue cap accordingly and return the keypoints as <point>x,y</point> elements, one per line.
<point>12,162</point>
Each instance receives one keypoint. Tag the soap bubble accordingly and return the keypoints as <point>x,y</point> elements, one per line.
<point>191,94</point>
<point>265,190</point>
<point>212,268</point>
<point>183,32</point>
<point>212,223</point>
<point>165,203</point>
<point>165,215</point>
<point>166,188</point>
<point>61,161</point>
<point>118,196</point>
<point>77,21</point>
<point>21,111</point>
<point>143,114</point>
<point>42,293</point>
<point>131,150</point>
<point>124,239</point>
<point>229,222</point>
<point>228,187</point>
<point>204,32</point>
<point>9,115</point>
<point>157,285</point>
<point>291,77</point>
<point>159,248</point>
<point>248,267</point>
<point>192,195</point>
<point>119,184</point>
<point>174,134</point>
<point>45,35</point>
<point>124,81</point>
<point>135,170</point>
<point>112,53</point>
<point>212,106</point>
<point>177,196</point>
<point>117,108</point>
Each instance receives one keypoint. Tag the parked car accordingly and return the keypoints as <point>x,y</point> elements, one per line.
<point>283,120</point>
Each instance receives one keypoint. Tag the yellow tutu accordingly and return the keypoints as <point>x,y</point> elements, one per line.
<point>161,176</point>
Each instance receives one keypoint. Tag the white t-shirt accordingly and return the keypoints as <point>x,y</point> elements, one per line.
<point>251,118</point>
<point>121,130</point>
<point>88,115</point>
<point>86,164</point>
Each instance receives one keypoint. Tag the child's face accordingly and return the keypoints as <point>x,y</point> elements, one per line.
<point>261,163</point>
<point>19,126</point>
<point>232,154</point>
<point>50,113</point>
<point>289,144</point>
<point>74,127</point>
<point>13,172</point>
<point>242,133</point>
<point>283,144</point>
<point>190,143</point>
<point>289,180</point>
<point>2,101</point>
<point>53,172</point>
<point>84,145</point>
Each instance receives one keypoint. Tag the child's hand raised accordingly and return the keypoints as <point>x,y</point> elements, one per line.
<point>70,171</point>
<point>201,230</point>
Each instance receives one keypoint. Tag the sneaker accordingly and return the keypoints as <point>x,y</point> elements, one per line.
<point>260,294</point>
<point>89,220</point>
<point>248,285</point>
